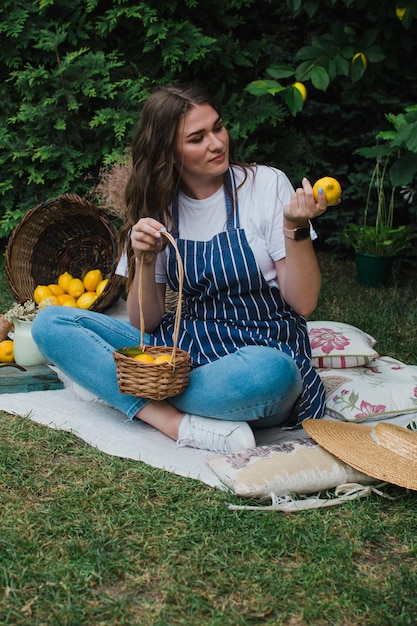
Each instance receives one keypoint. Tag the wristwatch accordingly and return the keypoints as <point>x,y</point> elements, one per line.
<point>298,234</point>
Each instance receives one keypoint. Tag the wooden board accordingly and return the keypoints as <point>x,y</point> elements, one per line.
<point>17,379</point>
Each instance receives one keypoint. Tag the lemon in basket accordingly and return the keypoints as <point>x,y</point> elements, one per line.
<point>76,287</point>
<point>65,297</point>
<point>56,289</point>
<point>86,299</point>
<point>144,358</point>
<point>92,279</point>
<point>101,286</point>
<point>162,358</point>
<point>64,280</point>
<point>41,292</point>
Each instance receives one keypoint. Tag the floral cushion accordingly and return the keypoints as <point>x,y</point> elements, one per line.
<point>381,389</point>
<point>299,466</point>
<point>339,345</point>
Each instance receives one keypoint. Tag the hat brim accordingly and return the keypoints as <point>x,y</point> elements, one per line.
<point>385,451</point>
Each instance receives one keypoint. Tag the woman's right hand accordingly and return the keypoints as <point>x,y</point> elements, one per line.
<point>146,242</point>
<point>146,238</point>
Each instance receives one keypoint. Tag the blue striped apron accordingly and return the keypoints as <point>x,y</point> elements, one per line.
<point>227,304</point>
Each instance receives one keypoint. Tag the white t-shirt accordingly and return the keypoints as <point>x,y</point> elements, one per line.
<point>261,201</point>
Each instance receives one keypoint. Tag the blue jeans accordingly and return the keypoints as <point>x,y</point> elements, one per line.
<point>256,384</point>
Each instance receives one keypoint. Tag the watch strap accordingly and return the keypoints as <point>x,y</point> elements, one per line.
<point>298,234</point>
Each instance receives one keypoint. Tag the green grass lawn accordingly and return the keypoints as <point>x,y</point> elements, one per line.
<point>90,539</point>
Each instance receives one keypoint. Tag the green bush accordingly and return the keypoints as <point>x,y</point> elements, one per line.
<point>73,77</point>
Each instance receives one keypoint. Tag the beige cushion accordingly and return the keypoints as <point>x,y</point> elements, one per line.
<point>298,466</point>
<point>339,345</point>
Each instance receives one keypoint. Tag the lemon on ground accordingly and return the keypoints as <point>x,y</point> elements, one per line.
<point>92,279</point>
<point>162,358</point>
<point>331,188</point>
<point>76,287</point>
<point>86,299</point>
<point>301,88</point>
<point>64,280</point>
<point>144,358</point>
<point>6,351</point>
<point>65,297</point>
<point>362,56</point>
<point>56,289</point>
<point>41,292</point>
<point>101,286</point>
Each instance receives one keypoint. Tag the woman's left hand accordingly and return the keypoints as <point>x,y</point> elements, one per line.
<point>303,207</point>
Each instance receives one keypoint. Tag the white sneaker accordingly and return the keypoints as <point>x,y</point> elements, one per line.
<point>215,435</point>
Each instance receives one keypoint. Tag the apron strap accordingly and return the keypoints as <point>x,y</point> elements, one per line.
<point>232,205</point>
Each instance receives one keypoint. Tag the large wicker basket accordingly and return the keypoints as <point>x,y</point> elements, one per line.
<point>65,234</point>
<point>156,381</point>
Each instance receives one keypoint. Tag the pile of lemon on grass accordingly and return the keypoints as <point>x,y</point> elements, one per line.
<point>70,291</point>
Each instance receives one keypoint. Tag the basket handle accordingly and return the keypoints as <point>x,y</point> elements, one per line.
<point>179,303</point>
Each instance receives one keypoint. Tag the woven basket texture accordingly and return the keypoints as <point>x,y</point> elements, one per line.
<point>64,234</point>
<point>155,381</point>
<point>171,299</point>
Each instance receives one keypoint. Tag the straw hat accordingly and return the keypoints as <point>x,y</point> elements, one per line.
<point>385,451</point>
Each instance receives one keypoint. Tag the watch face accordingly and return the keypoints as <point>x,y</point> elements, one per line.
<point>302,233</point>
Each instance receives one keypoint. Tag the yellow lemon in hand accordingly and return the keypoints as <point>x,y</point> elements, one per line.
<point>331,188</point>
<point>6,351</point>
<point>144,358</point>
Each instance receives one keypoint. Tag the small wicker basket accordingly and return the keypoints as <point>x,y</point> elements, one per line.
<point>156,381</point>
<point>65,234</point>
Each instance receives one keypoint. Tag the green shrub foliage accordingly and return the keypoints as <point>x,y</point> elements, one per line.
<point>74,75</point>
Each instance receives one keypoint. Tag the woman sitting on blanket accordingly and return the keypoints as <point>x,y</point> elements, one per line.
<point>251,275</point>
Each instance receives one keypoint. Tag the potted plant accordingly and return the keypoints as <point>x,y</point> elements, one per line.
<point>376,241</point>
<point>21,316</point>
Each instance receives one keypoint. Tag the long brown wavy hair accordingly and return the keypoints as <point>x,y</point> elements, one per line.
<point>154,181</point>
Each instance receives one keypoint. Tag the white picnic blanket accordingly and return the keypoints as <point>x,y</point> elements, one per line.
<point>110,431</point>
<point>75,410</point>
